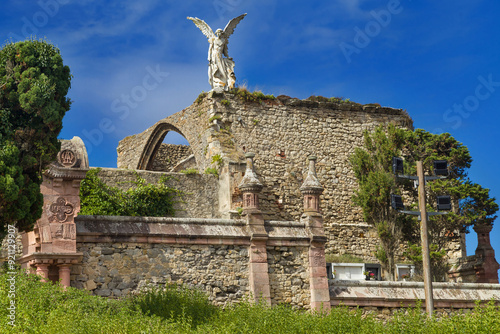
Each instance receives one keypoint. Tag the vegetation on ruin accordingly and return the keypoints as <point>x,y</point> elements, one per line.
<point>201,97</point>
<point>319,98</point>
<point>48,308</point>
<point>343,258</point>
<point>212,171</point>
<point>372,166</point>
<point>217,161</point>
<point>34,83</point>
<point>225,102</point>
<point>213,118</point>
<point>141,199</point>
<point>247,96</point>
<point>189,171</point>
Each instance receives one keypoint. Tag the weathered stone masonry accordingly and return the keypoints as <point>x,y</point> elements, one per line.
<point>284,132</point>
<point>272,248</point>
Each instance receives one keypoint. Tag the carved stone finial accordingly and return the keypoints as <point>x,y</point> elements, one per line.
<point>220,66</point>
<point>250,185</point>
<point>311,188</point>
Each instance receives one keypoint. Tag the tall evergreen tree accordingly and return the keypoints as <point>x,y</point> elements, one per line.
<point>34,83</point>
<point>372,166</point>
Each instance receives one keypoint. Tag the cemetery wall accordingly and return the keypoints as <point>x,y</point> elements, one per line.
<point>121,255</point>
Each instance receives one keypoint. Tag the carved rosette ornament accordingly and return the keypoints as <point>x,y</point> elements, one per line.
<point>67,158</point>
<point>61,209</point>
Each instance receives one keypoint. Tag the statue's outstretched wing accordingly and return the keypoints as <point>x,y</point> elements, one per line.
<point>229,29</point>
<point>205,28</point>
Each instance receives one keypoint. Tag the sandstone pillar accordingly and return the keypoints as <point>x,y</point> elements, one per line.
<point>311,190</point>
<point>486,265</point>
<point>64,274</point>
<point>42,269</point>
<point>250,187</point>
<point>53,239</point>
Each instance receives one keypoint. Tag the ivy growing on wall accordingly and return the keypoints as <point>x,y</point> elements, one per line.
<point>143,199</point>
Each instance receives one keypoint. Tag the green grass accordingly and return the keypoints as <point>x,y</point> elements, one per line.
<point>189,171</point>
<point>47,308</point>
<point>343,258</point>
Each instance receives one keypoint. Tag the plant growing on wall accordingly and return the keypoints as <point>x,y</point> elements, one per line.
<point>34,83</point>
<point>143,199</point>
<point>372,166</point>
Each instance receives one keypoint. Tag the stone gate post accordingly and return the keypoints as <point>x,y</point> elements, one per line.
<point>311,190</point>
<point>50,249</point>
<point>486,265</point>
<point>250,187</point>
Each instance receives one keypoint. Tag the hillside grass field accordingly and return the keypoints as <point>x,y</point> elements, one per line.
<point>48,308</point>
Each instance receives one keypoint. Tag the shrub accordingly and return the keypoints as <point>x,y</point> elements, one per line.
<point>176,303</point>
<point>212,171</point>
<point>153,200</point>
<point>217,160</point>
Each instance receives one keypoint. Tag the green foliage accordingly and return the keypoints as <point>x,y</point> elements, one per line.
<point>372,167</point>
<point>33,88</point>
<point>189,171</point>
<point>328,99</point>
<point>153,200</point>
<point>381,255</point>
<point>201,97</point>
<point>175,303</point>
<point>214,117</point>
<point>212,171</point>
<point>256,96</point>
<point>439,265</point>
<point>343,258</point>
<point>225,103</point>
<point>217,160</point>
<point>48,308</point>
<point>255,121</point>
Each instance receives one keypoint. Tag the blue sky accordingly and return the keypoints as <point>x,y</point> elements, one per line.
<point>136,62</point>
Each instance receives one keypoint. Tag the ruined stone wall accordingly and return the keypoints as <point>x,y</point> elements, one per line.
<point>288,275</point>
<point>121,255</point>
<point>199,191</point>
<point>169,155</point>
<point>135,152</point>
<point>117,269</point>
<point>282,132</point>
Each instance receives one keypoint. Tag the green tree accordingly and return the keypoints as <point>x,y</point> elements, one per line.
<point>372,166</point>
<point>34,83</point>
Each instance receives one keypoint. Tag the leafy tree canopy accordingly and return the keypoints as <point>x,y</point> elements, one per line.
<point>34,83</point>
<point>372,166</point>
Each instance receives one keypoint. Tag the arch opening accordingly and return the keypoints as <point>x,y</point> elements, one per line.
<point>167,150</point>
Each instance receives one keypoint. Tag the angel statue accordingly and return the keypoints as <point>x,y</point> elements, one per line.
<point>220,69</point>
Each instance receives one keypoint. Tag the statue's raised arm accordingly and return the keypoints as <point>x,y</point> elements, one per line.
<point>220,69</point>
